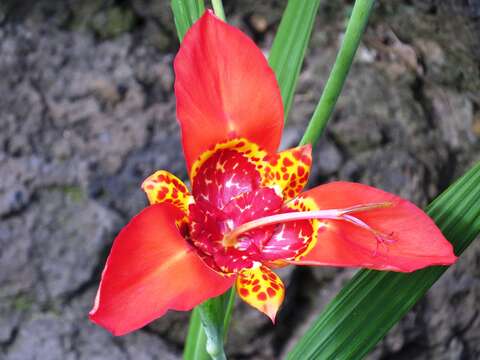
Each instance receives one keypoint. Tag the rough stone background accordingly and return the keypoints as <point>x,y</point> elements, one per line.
<point>87,111</point>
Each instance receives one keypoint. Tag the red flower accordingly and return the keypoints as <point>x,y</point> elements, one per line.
<point>245,214</point>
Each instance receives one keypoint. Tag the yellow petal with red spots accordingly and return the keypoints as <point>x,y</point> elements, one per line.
<point>309,234</point>
<point>289,170</point>
<point>261,288</point>
<point>163,186</point>
<point>294,239</point>
<point>248,149</point>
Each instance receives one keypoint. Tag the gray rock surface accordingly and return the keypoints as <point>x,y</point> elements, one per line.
<point>87,112</point>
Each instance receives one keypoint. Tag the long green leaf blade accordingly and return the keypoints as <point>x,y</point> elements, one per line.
<point>195,344</point>
<point>185,13</point>
<point>372,302</point>
<point>218,312</point>
<point>353,34</point>
<point>290,44</point>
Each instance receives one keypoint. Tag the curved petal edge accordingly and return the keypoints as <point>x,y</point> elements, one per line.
<point>409,239</point>
<point>224,89</point>
<point>152,269</point>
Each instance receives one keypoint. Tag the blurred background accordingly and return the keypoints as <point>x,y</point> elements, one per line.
<point>87,112</point>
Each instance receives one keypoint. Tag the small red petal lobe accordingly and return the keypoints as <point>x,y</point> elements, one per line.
<point>151,269</point>
<point>224,89</point>
<point>414,241</point>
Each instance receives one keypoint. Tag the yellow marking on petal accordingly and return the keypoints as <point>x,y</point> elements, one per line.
<point>261,288</point>
<point>307,204</point>
<point>286,172</point>
<point>250,150</point>
<point>163,187</point>
<point>289,170</point>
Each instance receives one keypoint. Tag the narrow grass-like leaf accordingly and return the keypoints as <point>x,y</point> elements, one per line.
<point>185,13</point>
<point>218,9</point>
<point>341,67</point>
<point>214,315</point>
<point>372,302</point>
<point>290,44</point>
<point>195,343</point>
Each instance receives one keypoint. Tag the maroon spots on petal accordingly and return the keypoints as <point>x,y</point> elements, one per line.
<point>300,171</point>
<point>285,176</point>
<point>274,285</point>
<point>256,288</point>
<point>287,162</point>
<point>243,292</point>
<point>262,296</point>
<point>264,277</point>
<point>182,188</point>
<point>256,282</point>
<point>273,161</point>
<point>271,292</point>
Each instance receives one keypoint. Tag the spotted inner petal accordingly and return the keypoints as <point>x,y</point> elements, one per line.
<point>292,240</point>
<point>237,182</point>
<point>164,187</point>
<point>209,225</point>
<point>289,170</point>
<point>261,288</point>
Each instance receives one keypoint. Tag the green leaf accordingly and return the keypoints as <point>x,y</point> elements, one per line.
<point>208,328</point>
<point>185,13</point>
<point>355,28</point>
<point>372,302</point>
<point>195,344</point>
<point>218,9</point>
<point>290,44</point>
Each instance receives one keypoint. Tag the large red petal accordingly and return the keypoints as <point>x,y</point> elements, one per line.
<point>416,242</point>
<point>151,269</point>
<point>224,89</point>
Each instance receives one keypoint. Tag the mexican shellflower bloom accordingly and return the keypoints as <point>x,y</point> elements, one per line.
<point>246,213</point>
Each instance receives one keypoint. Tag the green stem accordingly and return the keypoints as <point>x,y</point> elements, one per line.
<point>195,344</point>
<point>218,9</point>
<point>208,328</point>
<point>353,34</point>
<point>229,302</point>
